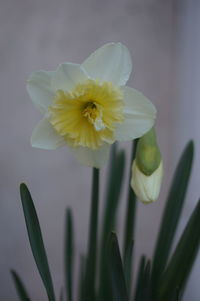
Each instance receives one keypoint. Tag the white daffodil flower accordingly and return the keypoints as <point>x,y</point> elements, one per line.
<point>88,107</point>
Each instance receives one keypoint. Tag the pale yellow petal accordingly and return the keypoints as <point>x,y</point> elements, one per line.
<point>67,76</point>
<point>44,136</point>
<point>112,63</point>
<point>92,158</point>
<point>139,114</point>
<point>40,90</point>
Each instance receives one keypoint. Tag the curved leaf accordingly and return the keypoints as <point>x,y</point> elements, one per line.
<point>172,213</point>
<point>36,241</point>
<point>181,262</point>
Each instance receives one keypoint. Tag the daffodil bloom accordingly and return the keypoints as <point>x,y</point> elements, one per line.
<point>88,107</point>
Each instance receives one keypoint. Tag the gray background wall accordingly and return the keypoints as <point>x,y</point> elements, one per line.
<point>164,41</point>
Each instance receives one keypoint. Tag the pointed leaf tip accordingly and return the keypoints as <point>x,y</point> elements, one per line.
<point>20,288</point>
<point>118,283</point>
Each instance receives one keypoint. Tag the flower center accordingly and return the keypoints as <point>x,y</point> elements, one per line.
<point>88,115</point>
<point>93,113</point>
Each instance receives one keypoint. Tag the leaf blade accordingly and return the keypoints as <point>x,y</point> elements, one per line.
<point>115,182</point>
<point>140,277</point>
<point>181,262</point>
<point>146,291</point>
<point>20,288</point>
<point>128,266</point>
<point>116,270</point>
<point>172,213</point>
<point>36,240</point>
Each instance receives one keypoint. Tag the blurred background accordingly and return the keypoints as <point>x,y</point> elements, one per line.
<point>164,41</point>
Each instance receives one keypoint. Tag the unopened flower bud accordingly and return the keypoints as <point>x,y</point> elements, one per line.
<point>147,169</point>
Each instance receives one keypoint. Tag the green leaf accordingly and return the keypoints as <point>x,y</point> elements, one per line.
<point>113,190</point>
<point>92,243</point>
<point>69,242</point>
<point>143,289</point>
<point>128,266</point>
<point>181,262</point>
<point>172,213</point>
<point>36,241</point>
<point>146,292</point>
<point>116,270</point>
<point>21,290</point>
<point>140,278</point>
<point>176,296</point>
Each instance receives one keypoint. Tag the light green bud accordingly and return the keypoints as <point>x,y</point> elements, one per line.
<point>148,155</point>
<point>146,188</point>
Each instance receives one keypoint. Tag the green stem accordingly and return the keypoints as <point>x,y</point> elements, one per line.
<point>69,248</point>
<point>131,209</point>
<point>129,229</point>
<point>92,244</point>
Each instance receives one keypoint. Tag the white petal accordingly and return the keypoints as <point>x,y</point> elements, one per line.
<point>67,76</point>
<point>139,114</point>
<point>44,136</point>
<point>112,62</point>
<point>93,158</point>
<point>40,89</point>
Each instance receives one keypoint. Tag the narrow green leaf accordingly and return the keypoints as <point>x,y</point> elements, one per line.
<point>143,285</point>
<point>92,243</point>
<point>69,250</point>
<point>20,288</point>
<point>129,228</point>
<point>178,269</point>
<point>176,296</point>
<point>128,266</point>
<point>140,279</point>
<point>113,191</point>
<point>36,241</point>
<point>116,270</point>
<point>172,213</point>
<point>146,290</point>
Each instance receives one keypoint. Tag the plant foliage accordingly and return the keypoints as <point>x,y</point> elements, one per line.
<point>105,274</point>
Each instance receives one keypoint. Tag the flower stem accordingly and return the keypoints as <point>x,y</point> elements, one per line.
<point>131,208</point>
<point>92,243</point>
<point>129,228</point>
